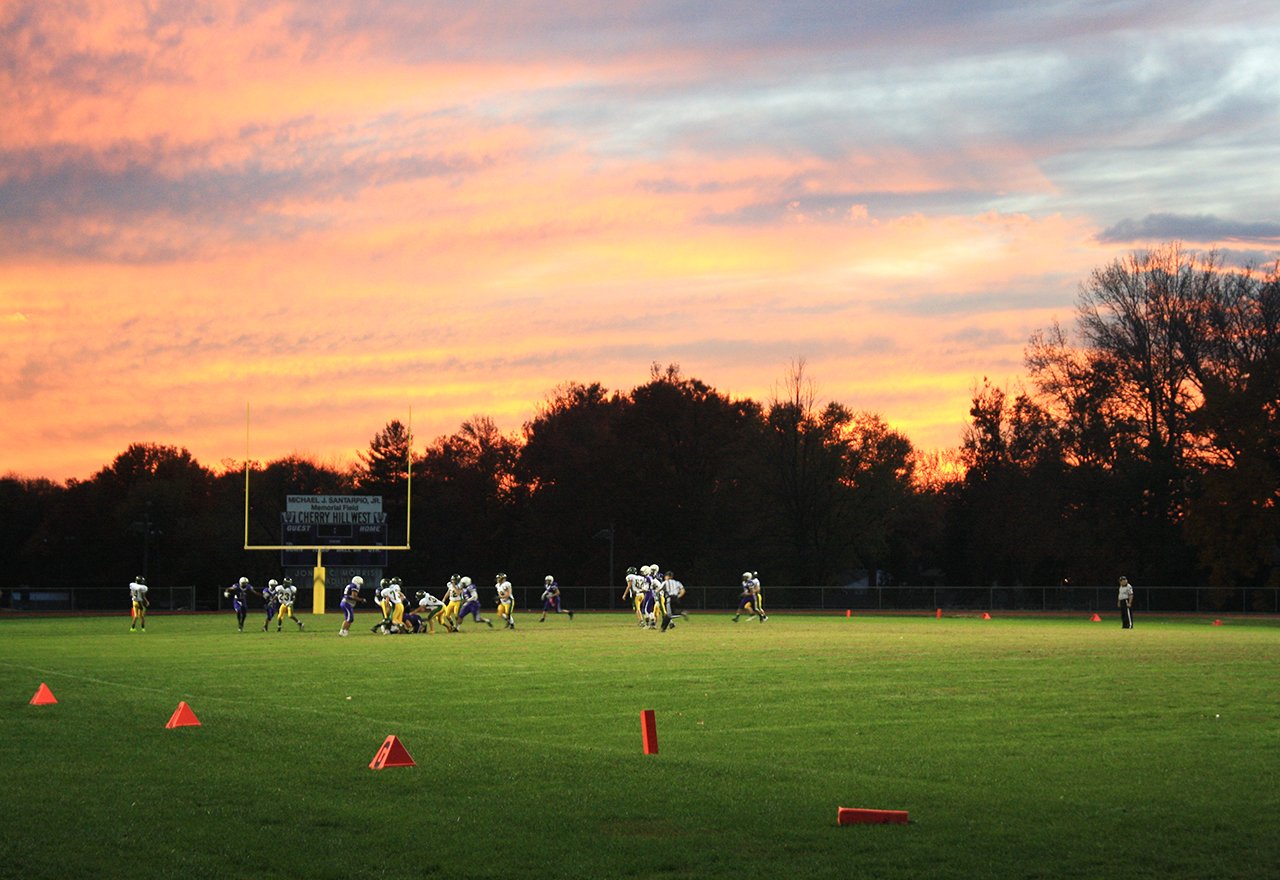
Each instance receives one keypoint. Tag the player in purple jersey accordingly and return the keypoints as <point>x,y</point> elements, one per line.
<point>238,593</point>
<point>350,597</point>
<point>271,602</point>
<point>471,604</point>
<point>751,600</point>
<point>551,598</point>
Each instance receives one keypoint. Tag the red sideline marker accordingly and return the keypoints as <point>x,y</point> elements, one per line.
<point>1095,618</point>
<point>391,753</point>
<point>939,615</point>
<point>986,616</point>
<point>1217,623</point>
<point>43,696</point>
<point>855,816</point>
<point>649,730</point>
<point>182,717</point>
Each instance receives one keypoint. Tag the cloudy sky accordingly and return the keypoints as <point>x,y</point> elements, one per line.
<point>338,210</point>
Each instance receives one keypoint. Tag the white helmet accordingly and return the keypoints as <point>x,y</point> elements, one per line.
<point>358,581</point>
<point>548,580</point>
<point>746,575</point>
<point>466,581</point>
<point>644,570</point>
<point>244,582</point>
<point>273,583</point>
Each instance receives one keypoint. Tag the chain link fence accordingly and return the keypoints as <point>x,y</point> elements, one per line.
<point>1191,600</point>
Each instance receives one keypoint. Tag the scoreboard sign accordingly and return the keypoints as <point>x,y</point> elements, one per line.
<point>334,520</point>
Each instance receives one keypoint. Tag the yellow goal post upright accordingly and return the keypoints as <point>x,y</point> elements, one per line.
<point>317,573</point>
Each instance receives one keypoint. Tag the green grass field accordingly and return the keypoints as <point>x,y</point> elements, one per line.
<point>1037,748</point>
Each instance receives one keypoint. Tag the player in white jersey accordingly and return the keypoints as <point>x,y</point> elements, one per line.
<point>659,599</point>
<point>286,594</point>
<point>635,591</point>
<point>139,603</point>
<point>398,602</point>
<point>448,615</point>
<point>751,598</point>
<point>506,600</point>
<point>648,598</point>
<point>428,607</point>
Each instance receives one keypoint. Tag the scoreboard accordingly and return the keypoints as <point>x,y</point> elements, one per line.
<point>333,521</point>
<point>336,535</point>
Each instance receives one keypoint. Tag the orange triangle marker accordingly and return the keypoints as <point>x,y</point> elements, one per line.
<point>1215,623</point>
<point>391,754</point>
<point>183,717</point>
<point>43,696</point>
<point>986,616</point>
<point>1095,618</point>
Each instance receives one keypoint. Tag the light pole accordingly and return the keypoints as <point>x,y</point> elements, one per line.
<point>607,535</point>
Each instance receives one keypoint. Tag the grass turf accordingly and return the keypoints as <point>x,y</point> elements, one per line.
<point>1021,747</point>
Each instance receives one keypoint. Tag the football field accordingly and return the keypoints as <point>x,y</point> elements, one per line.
<point>1021,747</point>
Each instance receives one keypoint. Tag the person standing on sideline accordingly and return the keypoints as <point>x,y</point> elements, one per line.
<point>350,596</point>
<point>139,602</point>
<point>1124,601</point>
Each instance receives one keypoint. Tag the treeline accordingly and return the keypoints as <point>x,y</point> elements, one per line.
<point>1146,441</point>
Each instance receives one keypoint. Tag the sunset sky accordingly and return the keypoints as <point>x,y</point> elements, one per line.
<point>338,210</point>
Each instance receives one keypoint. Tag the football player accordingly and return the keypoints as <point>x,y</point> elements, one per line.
<point>428,607</point>
<point>271,602</point>
<point>350,598</point>
<point>506,600</point>
<point>448,615</point>
<point>634,591</point>
<point>471,603</point>
<point>551,598</point>
<point>286,594</point>
<point>238,593</point>
<point>139,603</point>
<point>748,601</point>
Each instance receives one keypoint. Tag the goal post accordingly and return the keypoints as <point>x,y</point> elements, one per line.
<point>318,584</point>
